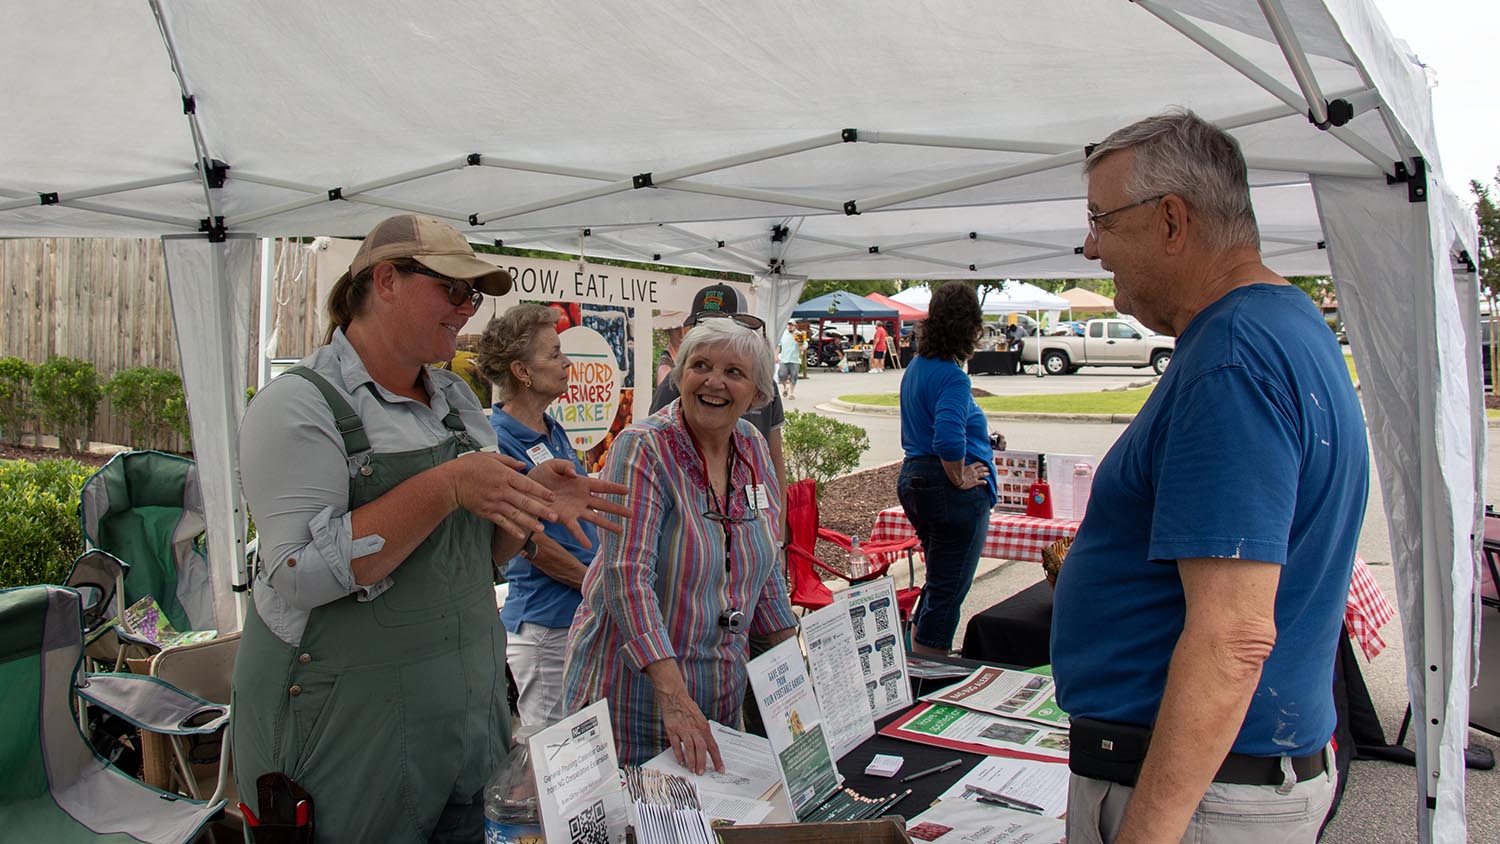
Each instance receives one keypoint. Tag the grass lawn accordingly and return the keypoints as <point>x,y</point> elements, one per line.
<point>1119,401</point>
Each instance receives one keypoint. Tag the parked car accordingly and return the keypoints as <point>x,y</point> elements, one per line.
<point>1106,342</point>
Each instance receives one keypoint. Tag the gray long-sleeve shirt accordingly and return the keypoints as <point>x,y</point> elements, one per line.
<point>295,477</point>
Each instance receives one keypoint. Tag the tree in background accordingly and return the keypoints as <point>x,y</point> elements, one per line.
<point>818,287</point>
<point>1488,261</point>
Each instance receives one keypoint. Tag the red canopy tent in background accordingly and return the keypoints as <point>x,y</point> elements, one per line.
<point>906,312</point>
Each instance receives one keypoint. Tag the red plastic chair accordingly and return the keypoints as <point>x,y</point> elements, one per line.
<point>808,589</point>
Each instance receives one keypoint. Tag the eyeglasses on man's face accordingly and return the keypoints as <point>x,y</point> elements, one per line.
<point>460,292</point>
<point>754,323</point>
<point>1095,217</point>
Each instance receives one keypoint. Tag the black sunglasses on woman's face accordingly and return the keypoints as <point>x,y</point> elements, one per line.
<point>459,292</point>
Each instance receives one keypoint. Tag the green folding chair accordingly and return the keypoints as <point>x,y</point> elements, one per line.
<point>142,516</point>
<point>53,787</point>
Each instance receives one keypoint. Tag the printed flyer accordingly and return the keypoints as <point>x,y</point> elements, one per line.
<point>794,724</point>
<point>878,643</point>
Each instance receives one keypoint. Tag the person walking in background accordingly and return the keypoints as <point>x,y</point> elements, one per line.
<point>1200,605</point>
<point>877,348</point>
<point>947,481</point>
<point>520,354</point>
<point>789,360</point>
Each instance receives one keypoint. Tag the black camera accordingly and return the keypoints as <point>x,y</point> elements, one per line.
<point>732,620</point>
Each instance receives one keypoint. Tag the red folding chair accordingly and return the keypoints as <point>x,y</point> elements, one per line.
<point>808,589</point>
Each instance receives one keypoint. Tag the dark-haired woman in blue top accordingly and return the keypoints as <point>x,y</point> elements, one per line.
<point>947,482</point>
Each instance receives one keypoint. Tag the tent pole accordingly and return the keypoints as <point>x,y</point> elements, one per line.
<point>1296,59</point>
<point>1223,53</point>
<point>983,177</point>
<point>267,300</point>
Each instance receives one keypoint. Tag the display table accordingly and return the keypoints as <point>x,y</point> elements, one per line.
<point>924,790</point>
<point>1018,630</point>
<point>995,363</point>
<point>1012,536</point>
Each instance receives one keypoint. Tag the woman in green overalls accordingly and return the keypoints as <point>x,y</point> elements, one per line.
<point>371,669</point>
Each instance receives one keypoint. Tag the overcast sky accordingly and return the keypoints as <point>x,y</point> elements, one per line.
<point>1453,37</point>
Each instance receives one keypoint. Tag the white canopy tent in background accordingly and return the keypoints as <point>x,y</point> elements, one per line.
<point>869,139</point>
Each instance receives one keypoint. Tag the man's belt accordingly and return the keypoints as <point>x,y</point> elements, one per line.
<point>1105,750</point>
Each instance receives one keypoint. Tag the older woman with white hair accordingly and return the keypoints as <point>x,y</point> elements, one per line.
<point>661,634</point>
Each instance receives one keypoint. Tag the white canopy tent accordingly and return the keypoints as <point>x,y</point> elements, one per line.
<point>786,140</point>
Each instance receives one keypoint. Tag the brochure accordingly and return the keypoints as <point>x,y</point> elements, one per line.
<point>579,794</point>
<point>1024,695</point>
<point>831,658</point>
<point>979,732</point>
<point>879,646</point>
<point>1043,785</point>
<point>794,724</point>
<point>968,822</point>
<point>749,767</point>
<point>143,621</point>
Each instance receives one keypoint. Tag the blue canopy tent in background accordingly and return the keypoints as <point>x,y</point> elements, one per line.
<point>843,306</point>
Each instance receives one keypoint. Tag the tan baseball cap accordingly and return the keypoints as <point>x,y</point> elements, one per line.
<point>431,243</point>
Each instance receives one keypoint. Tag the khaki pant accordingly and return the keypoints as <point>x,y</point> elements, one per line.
<point>1228,814</point>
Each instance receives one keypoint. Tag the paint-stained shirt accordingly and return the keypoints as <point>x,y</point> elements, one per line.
<point>657,591</point>
<point>1252,447</point>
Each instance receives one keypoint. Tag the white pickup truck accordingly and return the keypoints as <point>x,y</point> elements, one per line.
<point>1105,342</point>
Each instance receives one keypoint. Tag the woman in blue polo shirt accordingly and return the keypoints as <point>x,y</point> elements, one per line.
<point>521,354</point>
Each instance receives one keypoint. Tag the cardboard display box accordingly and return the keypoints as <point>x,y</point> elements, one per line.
<point>888,830</point>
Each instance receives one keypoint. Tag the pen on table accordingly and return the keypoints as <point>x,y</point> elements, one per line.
<point>943,767</point>
<point>1009,803</point>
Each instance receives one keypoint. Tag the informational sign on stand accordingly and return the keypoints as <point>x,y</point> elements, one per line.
<point>579,795</point>
<point>831,657</point>
<point>794,724</point>
<point>879,644</point>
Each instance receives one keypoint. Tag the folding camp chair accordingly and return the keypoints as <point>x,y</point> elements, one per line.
<point>142,515</point>
<point>808,589</point>
<point>53,787</point>
<point>203,669</point>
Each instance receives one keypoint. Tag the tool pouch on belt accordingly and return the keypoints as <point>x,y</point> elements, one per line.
<point>286,811</point>
<point>1106,750</point>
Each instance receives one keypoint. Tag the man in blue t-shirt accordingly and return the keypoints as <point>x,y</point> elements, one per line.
<point>1197,616</point>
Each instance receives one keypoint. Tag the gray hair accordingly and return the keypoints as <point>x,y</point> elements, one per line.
<point>713,333</point>
<point>1180,153</point>
<point>508,338</point>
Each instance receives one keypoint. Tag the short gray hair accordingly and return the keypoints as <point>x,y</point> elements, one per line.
<point>1180,153</point>
<point>712,333</point>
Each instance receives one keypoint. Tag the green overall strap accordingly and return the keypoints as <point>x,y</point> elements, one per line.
<point>348,422</point>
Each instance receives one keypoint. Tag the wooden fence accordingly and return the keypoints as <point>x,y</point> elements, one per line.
<point>105,300</point>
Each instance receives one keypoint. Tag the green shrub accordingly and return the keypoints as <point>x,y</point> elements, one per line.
<point>39,529</point>
<point>15,399</point>
<point>150,401</point>
<point>65,393</point>
<point>821,448</point>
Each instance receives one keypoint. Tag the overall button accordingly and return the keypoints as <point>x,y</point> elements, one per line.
<point>304,658</point>
<point>291,562</point>
<point>294,690</point>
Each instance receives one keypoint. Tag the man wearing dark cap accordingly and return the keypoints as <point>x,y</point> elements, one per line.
<point>371,666</point>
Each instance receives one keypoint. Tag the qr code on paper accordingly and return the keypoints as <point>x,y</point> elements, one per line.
<point>882,622</point>
<point>588,826</point>
<point>857,620</point>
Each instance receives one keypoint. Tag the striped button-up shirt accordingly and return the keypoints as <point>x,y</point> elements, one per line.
<point>657,590</point>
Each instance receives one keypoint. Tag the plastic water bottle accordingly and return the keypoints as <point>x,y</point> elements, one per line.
<point>1083,481</point>
<point>510,811</point>
<point>859,565</point>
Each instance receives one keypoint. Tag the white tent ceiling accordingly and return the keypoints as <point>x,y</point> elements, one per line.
<point>714,135</point>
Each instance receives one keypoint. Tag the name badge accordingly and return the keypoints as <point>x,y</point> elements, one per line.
<point>757,497</point>
<point>539,453</point>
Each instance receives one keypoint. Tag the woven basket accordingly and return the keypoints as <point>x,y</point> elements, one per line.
<point>1053,556</point>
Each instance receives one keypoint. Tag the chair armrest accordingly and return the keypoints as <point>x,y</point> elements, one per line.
<point>792,549</point>
<point>153,704</point>
<point>840,539</point>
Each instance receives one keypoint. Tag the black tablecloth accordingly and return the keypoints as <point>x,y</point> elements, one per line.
<point>1016,631</point>
<point>995,363</point>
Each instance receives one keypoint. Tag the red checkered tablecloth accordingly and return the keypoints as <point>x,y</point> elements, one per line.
<point>1013,536</point>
